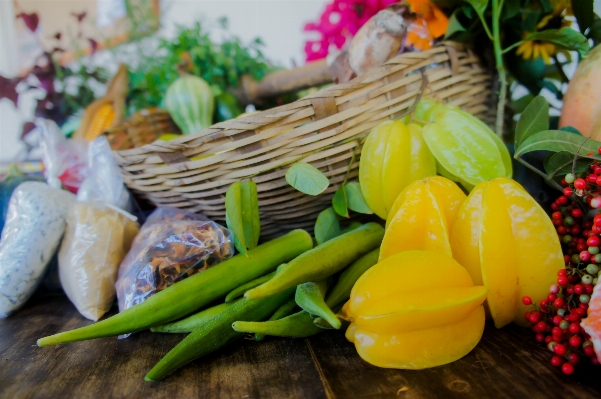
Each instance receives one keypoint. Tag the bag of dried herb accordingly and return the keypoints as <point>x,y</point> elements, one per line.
<point>172,244</point>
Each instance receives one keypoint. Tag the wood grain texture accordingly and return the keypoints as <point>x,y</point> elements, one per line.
<point>506,364</point>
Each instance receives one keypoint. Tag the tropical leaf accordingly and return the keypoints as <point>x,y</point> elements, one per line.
<point>307,179</point>
<point>560,140</point>
<point>534,119</point>
<point>339,201</point>
<point>356,201</point>
<point>326,226</point>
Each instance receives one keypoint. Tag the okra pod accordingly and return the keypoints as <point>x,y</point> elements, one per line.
<point>322,323</point>
<point>322,261</point>
<point>285,310</point>
<point>191,323</point>
<point>239,291</point>
<point>216,333</point>
<point>309,296</point>
<point>341,291</point>
<point>193,293</point>
<point>298,325</point>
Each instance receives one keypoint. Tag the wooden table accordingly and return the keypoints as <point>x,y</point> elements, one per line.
<point>506,364</point>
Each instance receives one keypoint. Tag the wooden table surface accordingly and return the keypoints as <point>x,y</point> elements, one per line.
<point>506,364</point>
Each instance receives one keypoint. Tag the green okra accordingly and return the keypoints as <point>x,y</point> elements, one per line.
<point>216,333</point>
<point>322,261</point>
<point>322,323</point>
<point>191,323</point>
<point>341,291</point>
<point>285,310</point>
<point>239,291</point>
<point>309,296</point>
<point>193,293</point>
<point>297,325</point>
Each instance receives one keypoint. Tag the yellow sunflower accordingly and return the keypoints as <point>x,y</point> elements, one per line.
<point>532,49</point>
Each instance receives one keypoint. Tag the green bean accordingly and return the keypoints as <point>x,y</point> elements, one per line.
<point>322,261</point>
<point>191,323</point>
<point>216,333</point>
<point>285,310</point>
<point>193,293</point>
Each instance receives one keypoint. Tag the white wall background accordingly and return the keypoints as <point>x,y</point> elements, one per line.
<point>278,22</point>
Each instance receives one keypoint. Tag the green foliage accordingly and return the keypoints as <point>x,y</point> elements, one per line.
<point>565,38</point>
<point>535,118</point>
<point>307,179</point>
<point>584,13</point>
<point>326,226</point>
<point>242,214</point>
<point>221,65</point>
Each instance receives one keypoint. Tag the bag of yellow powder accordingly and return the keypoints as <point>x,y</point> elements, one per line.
<point>96,240</point>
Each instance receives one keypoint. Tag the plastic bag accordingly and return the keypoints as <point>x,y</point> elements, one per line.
<point>103,182</point>
<point>64,160</point>
<point>34,226</point>
<point>173,244</point>
<point>96,240</point>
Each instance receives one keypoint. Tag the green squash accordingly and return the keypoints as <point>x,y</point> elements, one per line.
<point>10,182</point>
<point>190,102</point>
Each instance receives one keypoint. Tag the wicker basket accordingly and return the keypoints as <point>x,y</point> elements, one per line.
<point>141,128</point>
<point>194,172</point>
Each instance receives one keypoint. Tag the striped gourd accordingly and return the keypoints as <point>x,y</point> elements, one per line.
<point>190,102</point>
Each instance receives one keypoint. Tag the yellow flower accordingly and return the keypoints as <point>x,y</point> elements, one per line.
<point>533,49</point>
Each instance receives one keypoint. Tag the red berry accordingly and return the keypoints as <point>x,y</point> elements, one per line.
<point>579,247</point>
<point>580,312</point>
<point>583,306</point>
<point>574,328</point>
<point>597,170</point>
<point>563,199</point>
<point>588,288</point>
<point>526,300</point>
<point>557,319</point>
<point>556,361</point>
<point>548,339</point>
<point>579,288</point>
<point>551,297</point>
<point>568,191</point>
<point>556,332</point>
<point>562,230</point>
<point>591,178</point>
<point>539,337</point>
<point>576,212</point>
<point>555,206</point>
<point>559,349</point>
<point>585,256</point>
<point>573,358</point>
<point>575,341</point>
<point>567,368</point>
<point>562,272</point>
<point>534,317</point>
<point>570,289</point>
<point>593,241</point>
<point>558,303</point>
<point>575,230</point>
<point>567,259</point>
<point>556,215</point>
<point>579,184</point>
<point>562,281</point>
<point>589,350</point>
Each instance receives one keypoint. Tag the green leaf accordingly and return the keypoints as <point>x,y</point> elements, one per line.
<point>454,25</point>
<point>511,8</point>
<point>520,104</point>
<point>326,226</point>
<point>534,119</point>
<point>571,130</point>
<point>595,32</point>
<point>339,202</point>
<point>560,140</point>
<point>307,179</point>
<point>479,6</point>
<point>356,201</point>
<point>561,163</point>
<point>584,13</point>
<point>242,214</point>
<point>566,38</point>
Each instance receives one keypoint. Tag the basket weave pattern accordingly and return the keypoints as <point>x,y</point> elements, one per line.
<point>323,129</point>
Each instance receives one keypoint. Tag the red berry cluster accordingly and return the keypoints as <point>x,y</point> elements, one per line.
<point>556,321</point>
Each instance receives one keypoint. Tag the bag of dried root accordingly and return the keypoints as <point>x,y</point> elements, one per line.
<point>96,240</point>
<point>172,244</point>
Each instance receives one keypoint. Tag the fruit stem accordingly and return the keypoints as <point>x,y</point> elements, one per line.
<point>496,32</point>
<point>538,172</point>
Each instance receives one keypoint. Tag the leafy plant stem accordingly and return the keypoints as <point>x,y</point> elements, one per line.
<point>496,17</point>
<point>538,172</point>
<point>514,45</point>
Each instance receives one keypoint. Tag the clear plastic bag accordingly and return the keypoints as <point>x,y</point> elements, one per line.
<point>103,182</point>
<point>173,244</point>
<point>34,226</point>
<point>64,160</point>
<point>96,240</point>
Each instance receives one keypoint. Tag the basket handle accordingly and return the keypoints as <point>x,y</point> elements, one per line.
<point>313,74</point>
